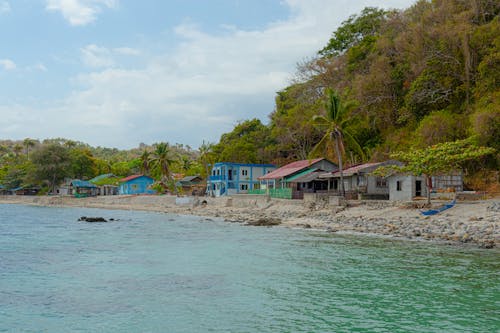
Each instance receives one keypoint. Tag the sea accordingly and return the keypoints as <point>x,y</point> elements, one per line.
<point>155,272</point>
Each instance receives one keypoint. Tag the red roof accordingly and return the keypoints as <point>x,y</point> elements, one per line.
<point>290,169</point>
<point>360,168</point>
<point>126,179</point>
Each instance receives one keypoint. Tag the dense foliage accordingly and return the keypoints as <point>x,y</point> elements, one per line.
<point>412,78</point>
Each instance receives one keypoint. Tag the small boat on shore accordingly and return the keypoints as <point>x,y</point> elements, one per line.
<point>439,210</point>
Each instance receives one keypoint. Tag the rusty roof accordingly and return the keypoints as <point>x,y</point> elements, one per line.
<point>126,179</point>
<point>360,168</point>
<point>290,169</point>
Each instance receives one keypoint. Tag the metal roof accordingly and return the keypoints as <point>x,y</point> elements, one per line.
<point>188,179</point>
<point>290,169</point>
<point>82,183</point>
<point>100,177</point>
<point>300,174</point>
<point>358,169</point>
<point>306,178</point>
<point>126,179</point>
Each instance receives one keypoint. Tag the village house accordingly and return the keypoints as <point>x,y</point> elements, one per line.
<point>193,185</point>
<point>25,190</point>
<point>359,181</point>
<point>81,188</point>
<point>405,187</point>
<point>291,181</point>
<point>136,184</point>
<point>233,178</point>
<point>106,183</point>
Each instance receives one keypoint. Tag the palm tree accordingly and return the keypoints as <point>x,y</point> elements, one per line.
<point>145,161</point>
<point>17,149</point>
<point>205,150</point>
<point>335,124</point>
<point>162,159</point>
<point>28,143</point>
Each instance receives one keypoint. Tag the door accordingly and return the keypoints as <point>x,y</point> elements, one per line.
<point>418,188</point>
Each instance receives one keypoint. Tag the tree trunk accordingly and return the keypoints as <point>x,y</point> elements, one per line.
<point>428,184</point>
<point>339,156</point>
<point>209,188</point>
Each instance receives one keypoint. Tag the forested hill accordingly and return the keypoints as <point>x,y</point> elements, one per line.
<point>411,78</point>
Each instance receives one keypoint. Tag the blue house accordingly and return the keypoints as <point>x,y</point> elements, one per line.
<point>233,178</point>
<point>136,184</point>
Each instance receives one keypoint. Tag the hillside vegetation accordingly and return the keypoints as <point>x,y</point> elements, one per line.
<point>412,78</point>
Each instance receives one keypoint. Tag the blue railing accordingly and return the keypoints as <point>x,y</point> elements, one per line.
<point>217,178</point>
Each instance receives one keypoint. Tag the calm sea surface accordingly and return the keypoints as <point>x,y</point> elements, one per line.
<point>153,272</point>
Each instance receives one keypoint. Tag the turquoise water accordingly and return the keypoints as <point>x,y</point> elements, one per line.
<point>153,272</point>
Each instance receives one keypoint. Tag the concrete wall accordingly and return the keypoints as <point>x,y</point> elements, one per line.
<point>372,186</point>
<point>408,187</point>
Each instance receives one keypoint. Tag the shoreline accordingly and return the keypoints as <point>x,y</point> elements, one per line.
<point>476,223</point>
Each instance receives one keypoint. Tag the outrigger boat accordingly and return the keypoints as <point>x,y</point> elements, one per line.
<point>438,210</point>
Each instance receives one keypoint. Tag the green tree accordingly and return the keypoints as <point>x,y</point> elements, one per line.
<point>246,143</point>
<point>206,158</point>
<point>436,159</point>
<point>336,127</point>
<point>145,162</point>
<point>51,164</point>
<point>355,30</point>
<point>161,160</point>
<point>28,144</point>
<point>83,163</point>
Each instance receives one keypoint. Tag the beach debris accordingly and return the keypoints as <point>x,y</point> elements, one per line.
<point>264,222</point>
<point>92,219</point>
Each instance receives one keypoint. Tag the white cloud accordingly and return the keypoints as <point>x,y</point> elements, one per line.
<point>98,56</point>
<point>197,91</point>
<point>127,51</point>
<point>95,56</point>
<point>7,64</point>
<point>4,7</point>
<point>79,12</point>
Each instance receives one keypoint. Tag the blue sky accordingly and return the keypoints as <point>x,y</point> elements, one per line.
<point>116,73</point>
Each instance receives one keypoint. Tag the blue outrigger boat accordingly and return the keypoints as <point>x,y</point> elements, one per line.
<point>438,210</point>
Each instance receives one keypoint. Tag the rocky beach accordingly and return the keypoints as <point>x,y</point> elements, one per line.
<point>472,222</point>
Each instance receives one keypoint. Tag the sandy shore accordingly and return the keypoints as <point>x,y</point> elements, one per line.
<point>476,222</point>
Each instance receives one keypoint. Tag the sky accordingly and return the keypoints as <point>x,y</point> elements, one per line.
<point>117,73</point>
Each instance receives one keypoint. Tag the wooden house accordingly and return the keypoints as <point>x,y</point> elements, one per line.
<point>107,184</point>
<point>136,184</point>
<point>81,188</point>
<point>193,185</point>
<point>359,181</point>
<point>291,181</point>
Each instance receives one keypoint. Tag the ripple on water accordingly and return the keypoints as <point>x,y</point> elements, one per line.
<point>149,273</point>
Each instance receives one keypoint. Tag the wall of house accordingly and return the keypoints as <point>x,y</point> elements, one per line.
<point>408,187</point>
<point>325,165</point>
<point>243,178</point>
<point>137,186</point>
<point>372,188</point>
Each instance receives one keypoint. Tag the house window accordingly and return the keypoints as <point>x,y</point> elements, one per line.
<point>244,187</point>
<point>398,185</point>
<point>244,172</point>
<point>382,182</point>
